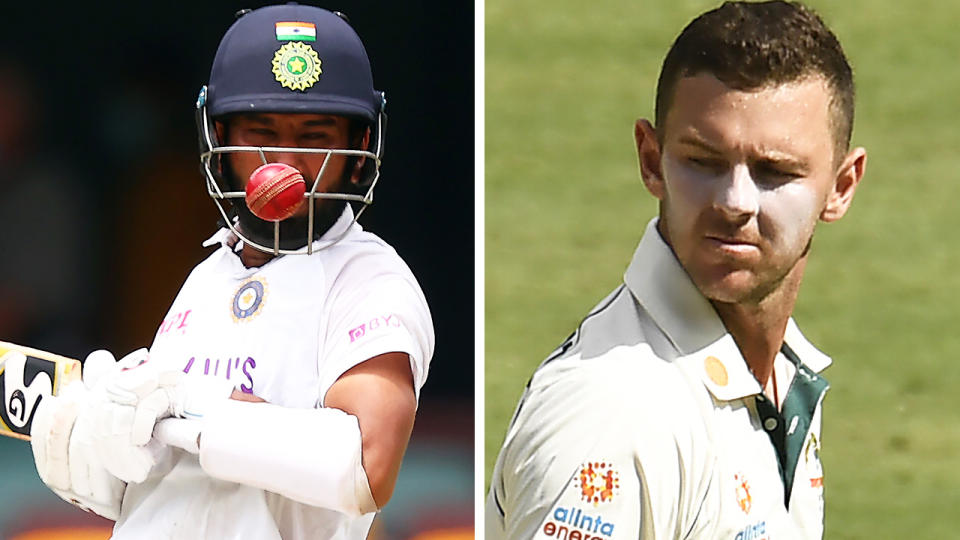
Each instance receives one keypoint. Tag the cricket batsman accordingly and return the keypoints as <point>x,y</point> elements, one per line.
<point>687,404</point>
<point>295,353</point>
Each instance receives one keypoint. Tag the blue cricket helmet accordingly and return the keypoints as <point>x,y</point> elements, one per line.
<point>288,59</point>
<point>335,81</point>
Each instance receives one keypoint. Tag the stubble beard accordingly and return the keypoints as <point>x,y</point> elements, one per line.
<point>749,286</point>
<point>293,230</point>
<point>728,282</point>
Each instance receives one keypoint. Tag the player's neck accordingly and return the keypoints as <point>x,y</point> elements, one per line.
<point>758,327</point>
<point>252,257</point>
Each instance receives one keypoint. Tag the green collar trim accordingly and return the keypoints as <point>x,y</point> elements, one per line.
<point>792,422</point>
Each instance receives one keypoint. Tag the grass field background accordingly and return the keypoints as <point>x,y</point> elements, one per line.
<point>565,81</point>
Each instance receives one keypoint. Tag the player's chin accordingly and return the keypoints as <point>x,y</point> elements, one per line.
<point>728,286</point>
<point>322,209</point>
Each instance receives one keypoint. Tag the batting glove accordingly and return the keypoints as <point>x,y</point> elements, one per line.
<point>138,398</point>
<point>62,435</point>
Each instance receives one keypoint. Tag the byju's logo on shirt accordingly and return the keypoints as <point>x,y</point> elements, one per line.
<point>229,368</point>
<point>377,323</point>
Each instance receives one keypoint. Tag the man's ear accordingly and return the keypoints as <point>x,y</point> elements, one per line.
<point>845,184</point>
<point>649,154</point>
<point>356,176</point>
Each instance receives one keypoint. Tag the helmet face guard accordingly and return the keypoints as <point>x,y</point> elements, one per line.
<point>275,60</point>
<point>221,188</point>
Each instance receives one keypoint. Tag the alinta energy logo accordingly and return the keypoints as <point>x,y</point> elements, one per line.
<point>598,481</point>
<point>571,523</point>
<point>758,530</point>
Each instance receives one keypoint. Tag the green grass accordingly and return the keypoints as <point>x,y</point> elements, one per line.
<point>565,81</point>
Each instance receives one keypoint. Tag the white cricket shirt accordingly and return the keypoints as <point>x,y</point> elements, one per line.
<point>284,331</point>
<point>646,423</point>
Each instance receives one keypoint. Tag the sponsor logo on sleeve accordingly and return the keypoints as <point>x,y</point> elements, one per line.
<point>374,325</point>
<point>572,523</point>
<point>175,324</point>
<point>598,482</point>
<point>579,511</point>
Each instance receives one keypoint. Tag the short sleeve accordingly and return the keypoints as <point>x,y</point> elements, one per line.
<point>594,453</point>
<point>367,318</point>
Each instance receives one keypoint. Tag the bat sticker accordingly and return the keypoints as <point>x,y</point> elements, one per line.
<point>24,381</point>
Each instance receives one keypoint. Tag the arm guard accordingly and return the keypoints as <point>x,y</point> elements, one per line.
<point>312,456</point>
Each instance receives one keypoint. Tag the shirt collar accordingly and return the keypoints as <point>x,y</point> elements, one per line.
<point>225,237</point>
<point>661,285</point>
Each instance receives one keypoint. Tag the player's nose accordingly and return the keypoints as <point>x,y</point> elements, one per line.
<point>737,196</point>
<point>296,160</point>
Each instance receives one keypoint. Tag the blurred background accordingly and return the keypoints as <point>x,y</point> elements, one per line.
<point>103,209</point>
<point>565,81</point>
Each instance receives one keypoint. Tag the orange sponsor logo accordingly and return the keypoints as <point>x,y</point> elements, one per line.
<point>599,482</point>
<point>744,500</point>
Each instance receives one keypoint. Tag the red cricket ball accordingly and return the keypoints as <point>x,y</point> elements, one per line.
<point>275,191</point>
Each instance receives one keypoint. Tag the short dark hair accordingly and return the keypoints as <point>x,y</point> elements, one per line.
<point>749,46</point>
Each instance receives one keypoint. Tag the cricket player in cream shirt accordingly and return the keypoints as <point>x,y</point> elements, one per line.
<point>688,405</point>
<point>648,421</point>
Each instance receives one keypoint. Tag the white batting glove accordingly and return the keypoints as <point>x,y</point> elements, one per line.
<point>125,419</point>
<point>140,396</point>
<point>193,396</point>
<point>62,442</point>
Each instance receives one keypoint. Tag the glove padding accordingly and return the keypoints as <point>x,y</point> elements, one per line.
<point>62,435</point>
<point>137,398</point>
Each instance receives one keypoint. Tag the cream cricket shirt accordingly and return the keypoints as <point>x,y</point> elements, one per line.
<point>285,332</point>
<point>646,423</point>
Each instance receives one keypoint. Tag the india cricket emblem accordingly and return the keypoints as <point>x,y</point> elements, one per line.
<point>296,66</point>
<point>599,482</point>
<point>248,299</point>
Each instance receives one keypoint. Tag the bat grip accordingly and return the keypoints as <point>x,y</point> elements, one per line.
<point>179,432</point>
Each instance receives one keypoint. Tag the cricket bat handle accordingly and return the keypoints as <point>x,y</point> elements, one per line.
<point>179,432</point>
<point>27,375</point>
